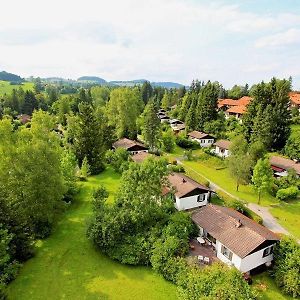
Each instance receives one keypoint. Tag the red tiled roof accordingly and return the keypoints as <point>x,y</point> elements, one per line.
<point>240,109</point>
<point>245,100</point>
<point>295,97</point>
<point>226,102</point>
<point>235,231</point>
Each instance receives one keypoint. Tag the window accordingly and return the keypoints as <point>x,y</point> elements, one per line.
<point>211,238</point>
<point>226,252</point>
<point>201,198</point>
<point>268,251</point>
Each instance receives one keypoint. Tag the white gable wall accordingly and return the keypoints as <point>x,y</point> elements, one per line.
<point>222,152</point>
<point>247,263</point>
<point>203,142</point>
<point>190,202</point>
<point>254,260</point>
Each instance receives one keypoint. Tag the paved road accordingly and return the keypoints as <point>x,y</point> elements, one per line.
<point>268,220</point>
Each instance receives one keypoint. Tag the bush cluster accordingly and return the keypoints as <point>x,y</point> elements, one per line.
<point>288,193</point>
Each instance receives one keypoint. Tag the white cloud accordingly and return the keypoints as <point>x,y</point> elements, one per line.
<point>288,37</point>
<point>126,39</point>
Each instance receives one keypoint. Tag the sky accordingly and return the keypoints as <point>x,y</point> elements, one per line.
<point>233,42</point>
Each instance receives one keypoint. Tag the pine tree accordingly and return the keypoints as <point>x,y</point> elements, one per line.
<point>151,126</point>
<point>30,103</point>
<point>88,140</point>
<point>207,105</point>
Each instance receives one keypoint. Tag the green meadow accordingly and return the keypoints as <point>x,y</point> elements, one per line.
<point>67,266</point>
<point>6,87</point>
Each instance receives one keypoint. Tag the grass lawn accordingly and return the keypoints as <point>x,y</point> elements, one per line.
<point>222,178</point>
<point>288,215</point>
<point>67,266</point>
<point>267,288</point>
<point>6,87</point>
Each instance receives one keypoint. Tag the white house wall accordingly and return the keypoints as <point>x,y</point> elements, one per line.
<point>218,152</point>
<point>247,263</point>
<point>254,260</point>
<point>190,202</point>
<point>205,142</point>
<point>235,261</point>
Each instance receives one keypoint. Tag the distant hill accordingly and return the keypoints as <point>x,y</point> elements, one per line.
<point>167,84</point>
<point>92,79</point>
<point>4,76</point>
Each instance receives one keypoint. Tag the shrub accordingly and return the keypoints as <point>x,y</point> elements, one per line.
<point>183,142</point>
<point>177,168</point>
<point>288,193</point>
<point>3,295</point>
<point>287,266</point>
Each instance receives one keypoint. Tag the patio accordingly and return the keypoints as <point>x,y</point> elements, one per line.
<point>204,250</point>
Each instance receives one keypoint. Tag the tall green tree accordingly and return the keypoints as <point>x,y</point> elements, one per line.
<point>207,105</point>
<point>30,171</point>
<point>88,139</point>
<point>262,178</point>
<point>268,116</point>
<point>151,126</point>
<point>30,103</point>
<point>123,109</point>
<point>146,91</point>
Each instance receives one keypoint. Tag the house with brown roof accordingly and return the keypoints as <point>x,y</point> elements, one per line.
<point>237,240</point>
<point>222,148</point>
<point>281,165</point>
<point>132,146</point>
<point>177,126</point>
<point>140,157</point>
<point>188,193</point>
<point>204,139</point>
<point>295,100</point>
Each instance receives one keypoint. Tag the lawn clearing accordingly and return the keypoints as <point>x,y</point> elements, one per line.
<point>67,266</point>
<point>267,288</point>
<point>6,87</point>
<point>288,215</point>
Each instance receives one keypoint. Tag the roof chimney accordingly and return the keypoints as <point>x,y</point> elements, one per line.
<point>238,224</point>
<point>183,180</point>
